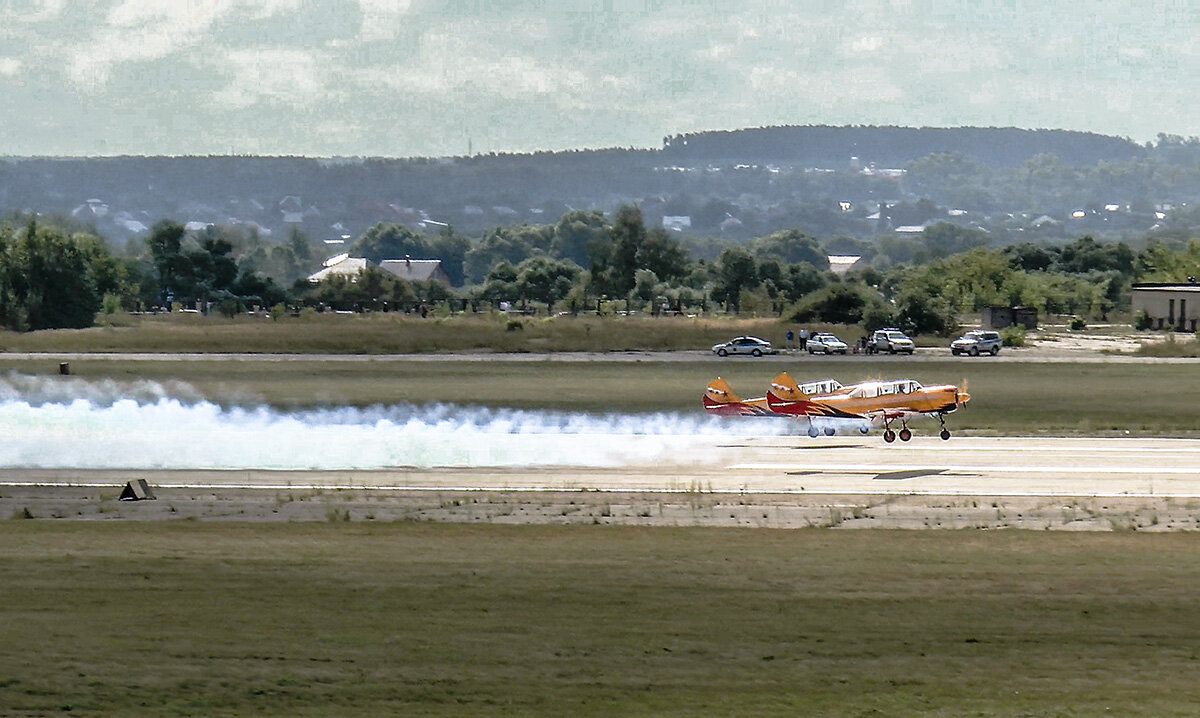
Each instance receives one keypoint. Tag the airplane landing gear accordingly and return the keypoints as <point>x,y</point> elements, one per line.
<point>889,436</point>
<point>829,431</point>
<point>813,432</point>
<point>905,434</point>
<point>945,432</point>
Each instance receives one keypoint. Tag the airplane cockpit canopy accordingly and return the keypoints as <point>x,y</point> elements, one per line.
<point>821,386</point>
<point>872,389</point>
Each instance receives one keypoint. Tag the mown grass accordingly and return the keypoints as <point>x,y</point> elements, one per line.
<point>348,619</point>
<point>390,333</point>
<point>1019,398</point>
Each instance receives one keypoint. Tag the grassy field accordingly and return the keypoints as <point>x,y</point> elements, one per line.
<point>433,619</point>
<point>390,334</point>
<point>1017,398</point>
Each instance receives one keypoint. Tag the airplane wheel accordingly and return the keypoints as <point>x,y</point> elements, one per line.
<point>945,434</point>
<point>863,430</point>
<point>905,435</point>
<point>889,436</point>
<point>829,431</point>
<point>812,431</point>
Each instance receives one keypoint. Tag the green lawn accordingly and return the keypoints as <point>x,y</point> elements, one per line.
<point>444,619</point>
<point>389,334</point>
<point>1006,397</point>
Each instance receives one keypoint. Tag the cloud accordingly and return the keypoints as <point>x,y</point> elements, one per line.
<point>382,19</point>
<point>147,30</point>
<point>293,77</point>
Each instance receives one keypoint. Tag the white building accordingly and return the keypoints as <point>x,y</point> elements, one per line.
<point>1168,305</point>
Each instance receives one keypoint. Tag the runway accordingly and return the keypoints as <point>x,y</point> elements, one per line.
<point>781,465</point>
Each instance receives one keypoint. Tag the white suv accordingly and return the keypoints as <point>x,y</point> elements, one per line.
<point>891,341</point>
<point>977,342</point>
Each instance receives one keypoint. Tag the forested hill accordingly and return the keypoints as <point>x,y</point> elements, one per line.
<point>738,184</point>
<point>824,146</point>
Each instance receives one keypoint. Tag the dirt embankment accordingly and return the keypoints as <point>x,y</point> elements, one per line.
<point>592,507</point>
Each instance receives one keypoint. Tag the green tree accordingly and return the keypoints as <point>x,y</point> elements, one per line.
<point>389,241</point>
<point>575,231</point>
<point>738,271</point>
<point>165,244</point>
<point>46,281</point>
<point>664,255</point>
<point>628,234</point>
<point>542,279</point>
<point>791,246</point>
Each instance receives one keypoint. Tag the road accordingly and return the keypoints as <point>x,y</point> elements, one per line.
<point>972,466</point>
<point>1037,355</point>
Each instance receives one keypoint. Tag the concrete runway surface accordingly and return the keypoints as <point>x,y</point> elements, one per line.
<point>858,465</point>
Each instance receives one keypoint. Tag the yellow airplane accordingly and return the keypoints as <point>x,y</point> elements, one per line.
<point>828,405</point>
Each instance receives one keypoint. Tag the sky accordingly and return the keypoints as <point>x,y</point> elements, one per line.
<point>427,78</point>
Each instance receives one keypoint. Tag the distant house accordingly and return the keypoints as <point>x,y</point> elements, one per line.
<point>292,209</point>
<point>677,222</point>
<point>342,264</point>
<point>841,263</point>
<point>416,270</point>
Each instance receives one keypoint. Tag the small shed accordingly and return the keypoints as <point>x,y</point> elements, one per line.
<point>1000,317</point>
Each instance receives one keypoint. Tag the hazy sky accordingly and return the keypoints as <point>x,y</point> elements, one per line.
<point>436,77</point>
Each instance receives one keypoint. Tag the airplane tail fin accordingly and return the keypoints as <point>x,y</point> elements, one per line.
<point>784,388</point>
<point>719,398</point>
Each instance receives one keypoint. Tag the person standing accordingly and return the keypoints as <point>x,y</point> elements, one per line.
<point>803,338</point>
<point>790,337</point>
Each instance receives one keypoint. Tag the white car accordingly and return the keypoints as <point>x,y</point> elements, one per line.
<point>826,344</point>
<point>744,345</point>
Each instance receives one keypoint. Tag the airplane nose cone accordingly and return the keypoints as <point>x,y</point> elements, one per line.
<point>962,397</point>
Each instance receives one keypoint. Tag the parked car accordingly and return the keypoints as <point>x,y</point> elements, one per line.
<point>744,345</point>
<point>890,340</point>
<point>826,344</point>
<point>977,342</point>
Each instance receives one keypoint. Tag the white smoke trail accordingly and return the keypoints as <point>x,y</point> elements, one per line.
<point>43,426</point>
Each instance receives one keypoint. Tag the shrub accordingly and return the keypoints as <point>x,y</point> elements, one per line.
<point>111,304</point>
<point>1013,336</point>
<point>1077,323</point>
<point>1142,321</point>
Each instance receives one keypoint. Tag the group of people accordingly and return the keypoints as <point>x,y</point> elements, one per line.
<point>797,340</point>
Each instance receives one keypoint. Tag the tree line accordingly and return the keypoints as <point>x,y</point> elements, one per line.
<point>56,274</point>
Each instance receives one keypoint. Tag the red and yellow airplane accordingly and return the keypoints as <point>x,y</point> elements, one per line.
<point>830,403</point>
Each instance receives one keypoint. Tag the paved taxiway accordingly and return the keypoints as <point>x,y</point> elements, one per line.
<point>963,466</point>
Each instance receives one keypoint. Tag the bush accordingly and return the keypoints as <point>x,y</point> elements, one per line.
<point>1077,323</point>
<point>111,304</point>
<point>1013,336</point>
<point>1143,321</point>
